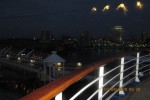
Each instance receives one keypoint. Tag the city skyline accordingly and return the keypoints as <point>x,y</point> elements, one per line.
<point>29,18</point>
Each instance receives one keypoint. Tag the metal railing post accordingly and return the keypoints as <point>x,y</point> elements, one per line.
<point>101,73</point>
<point>137,68</point>
<point>121,92</point>
<point>59,96</point>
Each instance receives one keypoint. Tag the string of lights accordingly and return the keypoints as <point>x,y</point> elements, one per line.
<point>122,6</point>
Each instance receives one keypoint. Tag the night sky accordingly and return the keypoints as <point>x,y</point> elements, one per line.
<point>27,18</point>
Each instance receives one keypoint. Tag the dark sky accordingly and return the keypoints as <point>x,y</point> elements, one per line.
<point>27,18</point>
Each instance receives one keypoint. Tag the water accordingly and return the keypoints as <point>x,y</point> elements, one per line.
<point>90,56</point>
<point>9,95</point>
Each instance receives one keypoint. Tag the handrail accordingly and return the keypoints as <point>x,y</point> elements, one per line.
<point>50,90</point>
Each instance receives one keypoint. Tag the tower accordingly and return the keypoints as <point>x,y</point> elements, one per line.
<point>46,36</point>
<point>118,33</point>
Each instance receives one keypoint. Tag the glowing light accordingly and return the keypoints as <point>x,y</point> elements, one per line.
<point>59,69</point>
<point>19,58</point>
<point>32,61</point>
<point>16,86</point>
<point>94,9</point>
<point>28,91</point>
<point>122,6</point>
<point>8,56</point>
<point>117,28</point>
<point>107,7</point>
<point>139,5</point>
<point>79,64</point>
<point>24,88</point>
<point>59,64</point>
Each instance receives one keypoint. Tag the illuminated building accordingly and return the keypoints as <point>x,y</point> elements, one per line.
<point>145,36</point>
<point>118,33</point>
<point>46,36</point>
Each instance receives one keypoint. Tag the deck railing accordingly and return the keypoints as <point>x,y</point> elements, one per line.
<point>110,82</point>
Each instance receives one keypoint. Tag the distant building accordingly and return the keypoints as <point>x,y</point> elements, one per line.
<point>84,38</point>
<point>118,33</point>
<point>66,39</point>
<point>46,36</point>
<point>145,36</point>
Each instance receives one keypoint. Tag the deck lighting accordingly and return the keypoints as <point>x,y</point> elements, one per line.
<point>59,68</point>
<point>94,9</point>
<point>139,5</point>
<point>59,64</point>
<point>122,6</point>
<point>107,7</point>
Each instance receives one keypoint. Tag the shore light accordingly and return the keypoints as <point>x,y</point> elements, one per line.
<point>19,58</point>
<point>32,61</point>
<point>8,56</point>
<point>79,64</point>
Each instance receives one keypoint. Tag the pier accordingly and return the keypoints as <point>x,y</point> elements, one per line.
<point>128,74</point>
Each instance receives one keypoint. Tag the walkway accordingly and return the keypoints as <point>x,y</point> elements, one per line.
<point>143,94</point>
